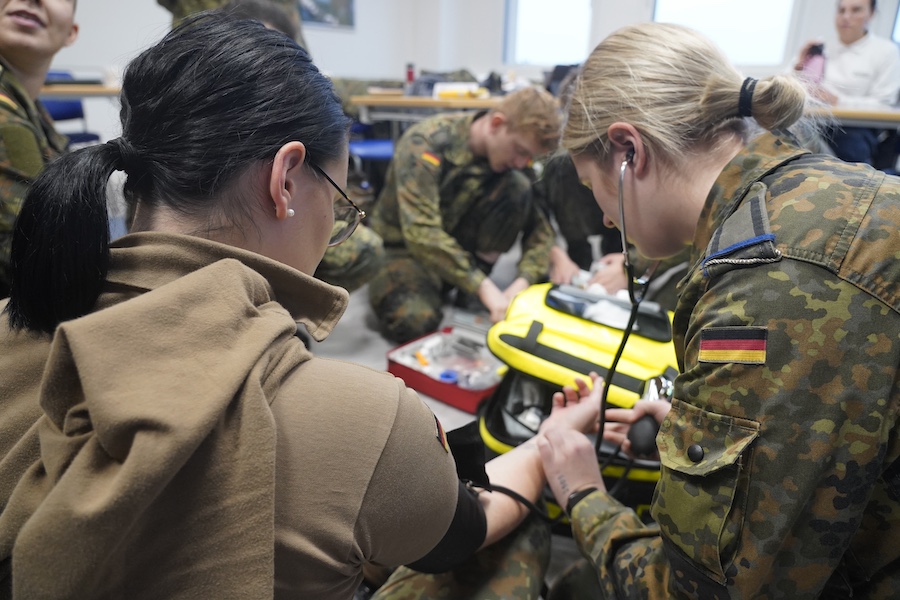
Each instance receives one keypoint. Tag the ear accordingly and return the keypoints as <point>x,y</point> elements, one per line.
<point>496,121</point>
<point>627,143</point>
<point>284,179</point>
<point>73,35</point>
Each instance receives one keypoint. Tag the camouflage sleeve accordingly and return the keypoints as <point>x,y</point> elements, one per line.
<point>626,553</point>
<point>418,198</point>
<point>20,162</point>
<point>352,263</point>
<point>777,432</point>
<point>537,240</point>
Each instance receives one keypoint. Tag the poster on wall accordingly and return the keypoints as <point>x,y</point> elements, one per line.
<point>327,13</point>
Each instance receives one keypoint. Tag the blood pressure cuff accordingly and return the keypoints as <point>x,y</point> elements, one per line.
<point>465,535</point>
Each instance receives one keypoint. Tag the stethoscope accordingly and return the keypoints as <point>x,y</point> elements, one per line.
<point>637,289</point>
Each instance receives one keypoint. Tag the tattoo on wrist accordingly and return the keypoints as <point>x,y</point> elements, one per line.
<point>563,484</point>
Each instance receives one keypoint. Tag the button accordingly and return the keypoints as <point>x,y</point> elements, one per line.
<point>695,453</point>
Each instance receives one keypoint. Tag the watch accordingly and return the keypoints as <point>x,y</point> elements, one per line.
<point>576,497</point>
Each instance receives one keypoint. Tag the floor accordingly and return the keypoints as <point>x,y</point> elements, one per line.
<point>356,339</point>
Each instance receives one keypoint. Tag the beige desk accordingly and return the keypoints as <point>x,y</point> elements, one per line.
<point>856,117</point>
<point>79,90</point>
<point>398,109</point>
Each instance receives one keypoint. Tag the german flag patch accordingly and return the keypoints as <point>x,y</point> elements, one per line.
<point>440,435</point>
<point>745,345</point>
<point>431,158</point>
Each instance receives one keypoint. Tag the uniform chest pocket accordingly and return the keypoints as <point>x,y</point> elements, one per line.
<point>699,501</point>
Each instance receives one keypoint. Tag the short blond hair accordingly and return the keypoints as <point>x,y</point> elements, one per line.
<point>676,88</point>
<point>533,111</point>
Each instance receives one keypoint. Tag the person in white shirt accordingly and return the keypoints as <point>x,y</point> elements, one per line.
<point>862,71</point>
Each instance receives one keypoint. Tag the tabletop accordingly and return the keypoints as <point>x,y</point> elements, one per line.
<point>78,90</point>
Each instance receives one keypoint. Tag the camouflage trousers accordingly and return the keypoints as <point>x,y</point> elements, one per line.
<point>513,568</point>
<point>351,264</point>
<point>578,582</point>
<point>408,297</point>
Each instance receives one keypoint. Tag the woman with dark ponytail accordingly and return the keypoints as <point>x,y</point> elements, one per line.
<point>163,431</point>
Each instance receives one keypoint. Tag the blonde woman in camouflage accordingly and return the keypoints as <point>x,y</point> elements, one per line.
<point>780,474</point>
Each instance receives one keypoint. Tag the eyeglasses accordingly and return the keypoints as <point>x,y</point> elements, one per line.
<point>347,215</point>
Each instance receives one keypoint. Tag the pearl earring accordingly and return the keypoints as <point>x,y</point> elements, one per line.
<point>290,212</point>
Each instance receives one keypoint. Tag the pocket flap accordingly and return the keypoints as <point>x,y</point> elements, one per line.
<point>694,441</point>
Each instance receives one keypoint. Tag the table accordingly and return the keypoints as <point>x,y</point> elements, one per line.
<point>79,90</point>
<point>398,109</point>
<point>857,117</point>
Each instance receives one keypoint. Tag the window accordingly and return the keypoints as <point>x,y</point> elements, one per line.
<point>748,37</point>
<point>547,33</point>
<point>896,35</point>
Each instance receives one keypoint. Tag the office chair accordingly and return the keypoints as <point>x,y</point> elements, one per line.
<point>62,110</point>
<point>370,156</point>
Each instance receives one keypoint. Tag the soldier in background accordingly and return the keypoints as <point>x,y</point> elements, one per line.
<point>30,36</point>
<point>861,71</point>
<point>457,196</point>
<point>577,218</point>
<point>183,8</point>
<point>780,452</point>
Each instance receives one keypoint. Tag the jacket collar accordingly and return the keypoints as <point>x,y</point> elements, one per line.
<point>459,152</point>
<point>310,301</point>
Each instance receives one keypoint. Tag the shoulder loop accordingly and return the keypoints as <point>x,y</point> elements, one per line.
<point>7,101</point>
<point>744,238</point>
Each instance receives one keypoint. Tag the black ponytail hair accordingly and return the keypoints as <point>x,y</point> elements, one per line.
<point>60,245</point>
<point>216,96</point>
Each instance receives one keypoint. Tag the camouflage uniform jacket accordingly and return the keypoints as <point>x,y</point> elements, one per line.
<point>28,141</point>
<point>780,473</point>
<point>432,182</point>
<point>184,8</point>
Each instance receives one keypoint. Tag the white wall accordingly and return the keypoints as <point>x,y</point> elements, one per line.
<point>378,47</point>
<point>111,33</point>
<point>435,35</point>
<point>439,35</point>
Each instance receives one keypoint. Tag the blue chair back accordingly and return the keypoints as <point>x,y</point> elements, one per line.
<point>68,110</point>
<point>372,149</point>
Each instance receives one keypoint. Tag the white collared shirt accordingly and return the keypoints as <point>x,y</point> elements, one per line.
<point>864,74</point>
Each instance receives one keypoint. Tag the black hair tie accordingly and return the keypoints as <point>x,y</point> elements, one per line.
<point>128,159</point>
<point>745,104</point>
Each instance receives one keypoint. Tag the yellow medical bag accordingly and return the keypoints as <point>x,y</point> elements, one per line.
<point>552,335</point>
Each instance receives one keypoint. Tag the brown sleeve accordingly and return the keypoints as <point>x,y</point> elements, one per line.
<point>412,496</point>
